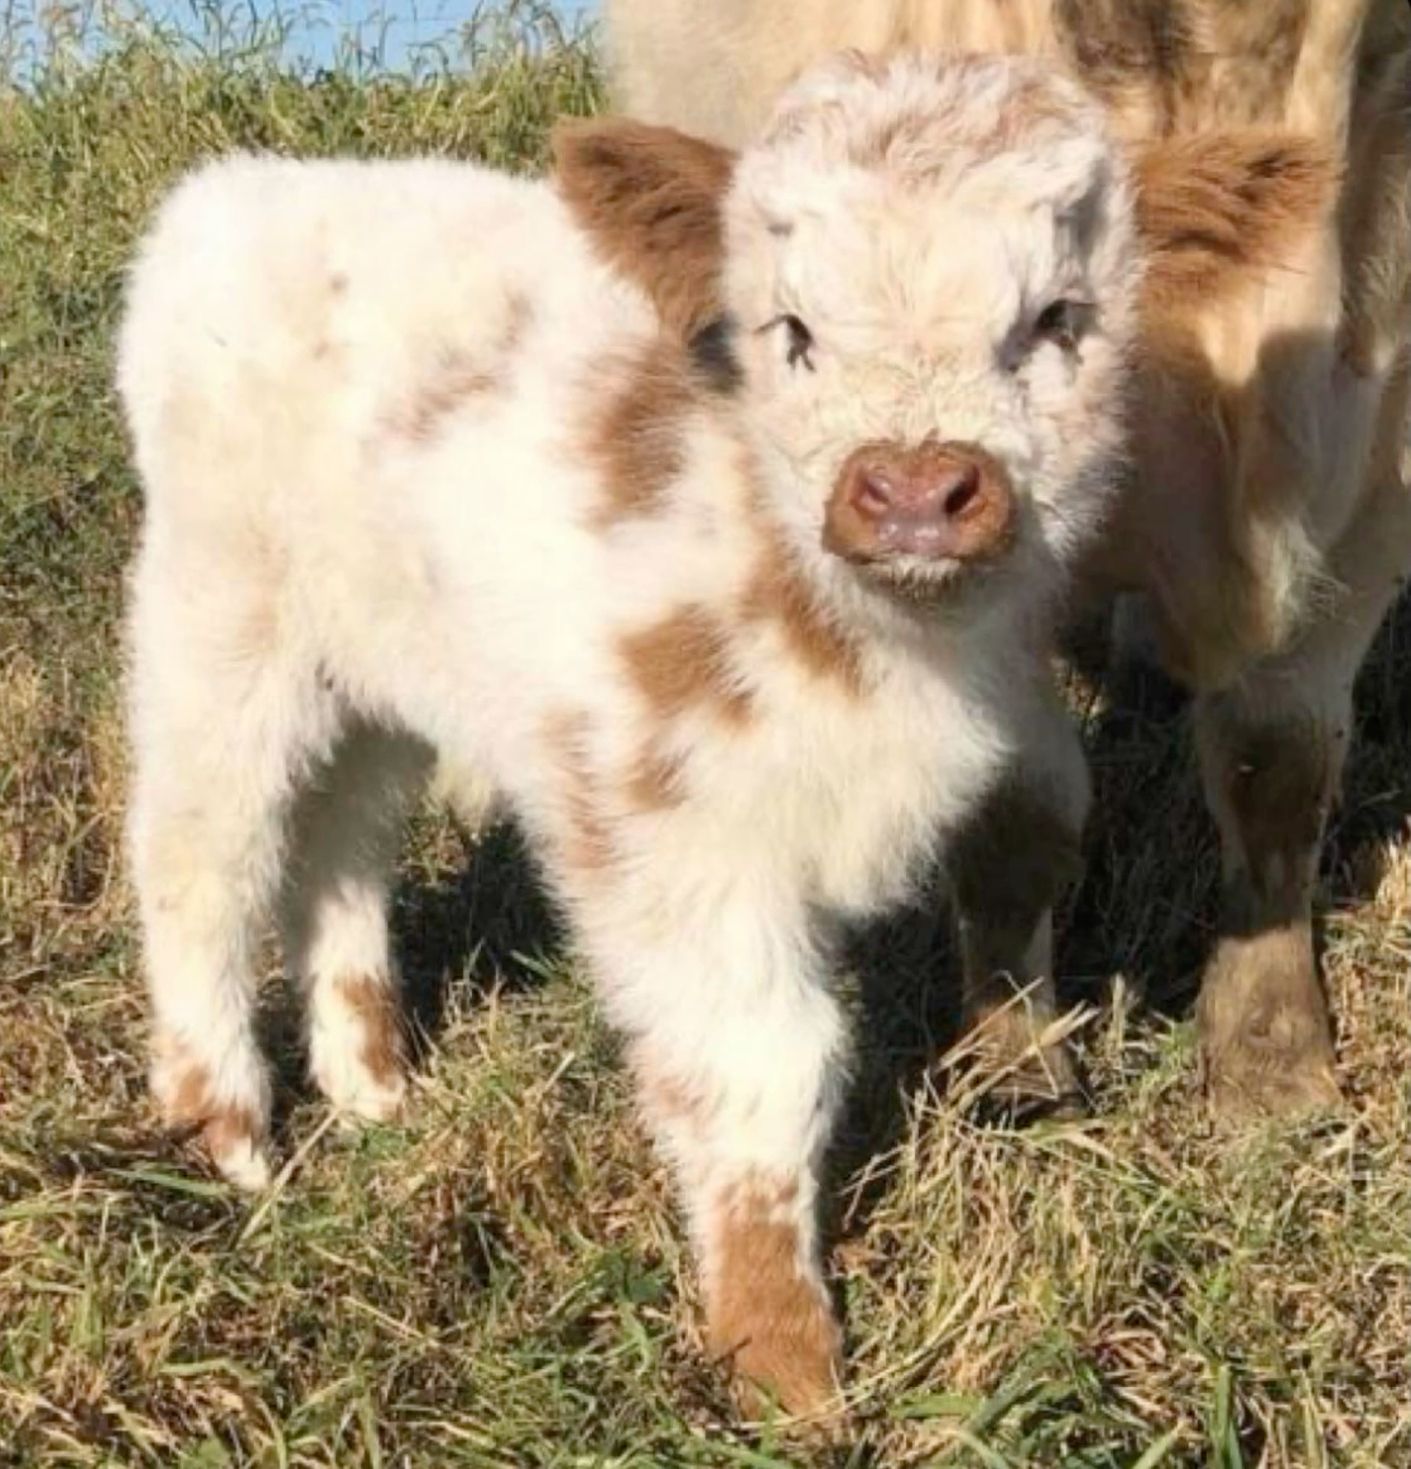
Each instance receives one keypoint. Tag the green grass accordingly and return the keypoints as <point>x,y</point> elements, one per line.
<point>502,1280</point>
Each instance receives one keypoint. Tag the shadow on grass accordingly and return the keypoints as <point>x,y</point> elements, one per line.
<point>488,922</point>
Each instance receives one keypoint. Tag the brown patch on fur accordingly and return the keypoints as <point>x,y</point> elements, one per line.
<point>224,1127</point>
<point>460,376</point>
<point>764,1315</point>
<point>683,663</point>
<point>654,781</point>
<point>230,1129</point>
<point>777,593</point>
<point>374,1002</point>
<point>190,1102</point>
<point>649,198</point>
<point>588,846</point>
<point>636,441</point>
<point>1214,209</point>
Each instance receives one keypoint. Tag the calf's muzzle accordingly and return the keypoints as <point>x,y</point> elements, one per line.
<point>935,501</point>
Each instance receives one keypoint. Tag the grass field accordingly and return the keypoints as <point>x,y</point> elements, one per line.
<point>501,1281</point>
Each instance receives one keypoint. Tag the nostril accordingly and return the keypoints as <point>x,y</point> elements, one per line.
<point>962,495</point>
<point>874,493</point>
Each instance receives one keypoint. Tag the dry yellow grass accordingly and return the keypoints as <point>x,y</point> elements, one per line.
<point>501,1281</point>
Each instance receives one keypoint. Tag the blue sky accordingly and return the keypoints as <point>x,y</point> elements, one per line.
<point>418,19</point>
<point>392,28</point>
<point>405,23</point>
<point>318,30</point>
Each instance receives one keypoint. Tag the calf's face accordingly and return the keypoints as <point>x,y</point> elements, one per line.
<point>930,273</point>
<point>923,289</point>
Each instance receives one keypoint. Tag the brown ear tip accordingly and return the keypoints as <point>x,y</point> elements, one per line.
<point>570,136</point>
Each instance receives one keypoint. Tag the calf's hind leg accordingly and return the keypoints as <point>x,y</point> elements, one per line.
<point>344,839</point>
<point>222,726</point>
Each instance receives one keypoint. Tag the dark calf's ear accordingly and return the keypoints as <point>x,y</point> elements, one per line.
<point>1212,208</point>
<point>650,198</point>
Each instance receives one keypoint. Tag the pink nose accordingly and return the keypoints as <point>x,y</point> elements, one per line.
<point>937,501</point>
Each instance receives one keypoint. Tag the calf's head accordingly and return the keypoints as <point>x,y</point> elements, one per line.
<point>921,291</point>
<point>931,267</point>
<point>923,281</point>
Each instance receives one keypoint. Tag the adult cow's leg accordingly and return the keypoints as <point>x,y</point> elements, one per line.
<point>1008,865</point>
<point>1272,749</point>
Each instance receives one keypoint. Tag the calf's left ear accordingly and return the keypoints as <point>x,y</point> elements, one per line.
<point>650,198</point>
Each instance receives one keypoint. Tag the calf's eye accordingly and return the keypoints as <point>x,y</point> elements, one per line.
<point>800,339</point>
<point>1062,322</point>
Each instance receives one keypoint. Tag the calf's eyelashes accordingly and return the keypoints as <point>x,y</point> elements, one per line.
<point>798,338</point>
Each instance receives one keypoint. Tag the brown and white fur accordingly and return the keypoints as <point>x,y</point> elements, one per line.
<point>1270,517</point>
<point>743,633</point>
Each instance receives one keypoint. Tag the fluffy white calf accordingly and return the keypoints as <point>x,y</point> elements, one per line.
<point>742,632</point>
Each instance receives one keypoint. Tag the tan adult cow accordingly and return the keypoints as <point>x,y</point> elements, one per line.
<point>1270,520</point>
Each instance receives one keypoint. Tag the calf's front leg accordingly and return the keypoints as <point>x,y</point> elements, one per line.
<point>1008,864</point>
<point>739,1053</point>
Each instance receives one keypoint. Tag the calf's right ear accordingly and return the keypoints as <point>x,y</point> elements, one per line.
<point>650,199</point>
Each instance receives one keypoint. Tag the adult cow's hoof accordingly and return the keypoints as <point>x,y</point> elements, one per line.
<point>1247,1076</point>
<point>1019,1073</point>
<point>1265,1038</point>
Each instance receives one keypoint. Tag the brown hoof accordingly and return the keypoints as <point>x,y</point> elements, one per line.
<point>1265,1038</point>
<point>1015,1078</point>
<point>1247,1078</point>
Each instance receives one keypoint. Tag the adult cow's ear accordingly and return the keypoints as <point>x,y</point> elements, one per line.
<point>1213,207</point>
<point>650,198</point>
